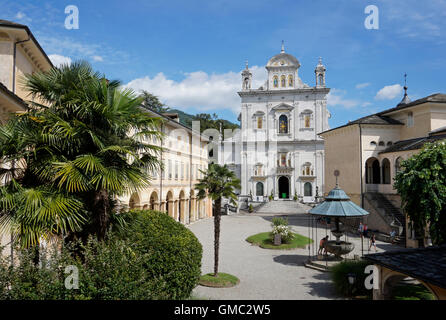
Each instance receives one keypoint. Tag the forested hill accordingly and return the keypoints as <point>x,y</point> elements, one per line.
<point>206,120</point>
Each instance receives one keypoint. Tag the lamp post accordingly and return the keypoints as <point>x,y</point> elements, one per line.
<point>351,280</point>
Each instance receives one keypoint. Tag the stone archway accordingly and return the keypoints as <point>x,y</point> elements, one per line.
<point>181,206</point>
<point>154,201</point>
<point>135,201</point>
<point>385,171</point>
<point>169,204</point>
<point>391,279</point>
<point>373,171</point>
<point>284,187</point>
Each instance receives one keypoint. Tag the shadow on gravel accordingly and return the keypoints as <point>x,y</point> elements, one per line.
<point>322,289</point>
<point>291,259</point>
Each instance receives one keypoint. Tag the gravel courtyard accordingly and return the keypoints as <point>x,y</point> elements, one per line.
<point>263,273</point>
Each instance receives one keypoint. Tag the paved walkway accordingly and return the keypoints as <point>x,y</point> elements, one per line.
<point>263,273</point>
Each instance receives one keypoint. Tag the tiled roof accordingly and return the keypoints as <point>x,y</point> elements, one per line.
<point>377,119</point>
<point>382,118</point>
<point>412,144</point>
<point>426,264</point>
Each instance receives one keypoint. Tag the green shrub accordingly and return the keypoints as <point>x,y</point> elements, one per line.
<point>155,257</point>
<point>110,270</point>
<point>339,275</point>
<point>170,251</point>
<point>277,221</point>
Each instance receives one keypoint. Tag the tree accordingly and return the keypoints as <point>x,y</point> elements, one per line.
<point>153,103</point>
<point>422,186</point>
<point>218,182</point>
<point>69,157</point>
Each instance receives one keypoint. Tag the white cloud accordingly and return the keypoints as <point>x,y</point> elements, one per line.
<point>58,59</point>
<point>97,58</point>
<point>336,98</point>
<point>199,89</point>
<point>22,17</point>
<point>362,85</point>
<point>389,92</point>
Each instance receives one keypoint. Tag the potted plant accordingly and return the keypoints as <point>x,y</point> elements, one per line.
<point>295,196</point>
<point>250,208</point>
<point>281,231</point>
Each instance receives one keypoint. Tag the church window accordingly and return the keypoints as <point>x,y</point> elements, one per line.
<point>373,144</point>
<point>258,170</point>
<point>321,79</point>
<point>307,170</point>
<point>283,81</point>
<point>305,118</point>
<point>381,144</point>
<point>290,81</point>
<point>283,124</point>
<point>410,119</point>
<point>276,82</point>
<point>307,121</point>
<point>283,159</point>
<point>259,122</point>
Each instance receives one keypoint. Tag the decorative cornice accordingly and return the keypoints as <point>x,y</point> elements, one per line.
<point>255,92</point>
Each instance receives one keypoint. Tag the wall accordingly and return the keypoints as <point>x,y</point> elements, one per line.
<point>342,153</point>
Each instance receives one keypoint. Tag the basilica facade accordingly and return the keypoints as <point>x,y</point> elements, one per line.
<point>277,152</point>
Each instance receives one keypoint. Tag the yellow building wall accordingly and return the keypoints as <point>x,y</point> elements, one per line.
<point>342,152</point>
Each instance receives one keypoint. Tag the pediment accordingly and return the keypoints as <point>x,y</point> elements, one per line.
<point>283,107</point>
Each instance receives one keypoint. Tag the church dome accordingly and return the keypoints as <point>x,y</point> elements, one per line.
<point>283,60</point>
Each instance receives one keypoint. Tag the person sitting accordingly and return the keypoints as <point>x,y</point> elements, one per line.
<point>322,246</point>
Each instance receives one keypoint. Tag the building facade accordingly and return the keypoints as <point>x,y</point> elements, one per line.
<point>277,151</point>
<point>20,54</point>
<point>184,155</point>
<point>368,153</point>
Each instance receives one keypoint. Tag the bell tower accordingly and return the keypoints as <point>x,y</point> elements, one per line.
<point>246,78</point>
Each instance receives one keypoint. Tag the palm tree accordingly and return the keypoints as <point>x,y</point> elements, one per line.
<point>70,156</point>
<point>218,182</point>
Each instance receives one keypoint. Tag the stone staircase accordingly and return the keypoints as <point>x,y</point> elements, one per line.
<point>391,214</point>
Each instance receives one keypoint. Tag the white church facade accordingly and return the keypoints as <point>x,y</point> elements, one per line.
<point>277,152</point>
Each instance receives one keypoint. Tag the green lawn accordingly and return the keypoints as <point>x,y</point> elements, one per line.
<point>264,240</point>
<point>412,292</point>
<point>223,280</point>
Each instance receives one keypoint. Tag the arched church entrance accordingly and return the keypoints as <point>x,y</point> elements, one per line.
<point>284,187</point>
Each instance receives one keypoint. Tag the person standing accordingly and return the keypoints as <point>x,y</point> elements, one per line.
<point>373,242</point>
<point>365,230</point>
<point>361,229</point>
<point>392,236</point>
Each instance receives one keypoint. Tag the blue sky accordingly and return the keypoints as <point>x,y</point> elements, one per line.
<point>190,53</point>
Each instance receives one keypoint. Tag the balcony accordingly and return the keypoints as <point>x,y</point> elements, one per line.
<point>284,170</point>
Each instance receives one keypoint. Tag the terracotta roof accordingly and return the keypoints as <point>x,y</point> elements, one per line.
<point>426,264</point>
